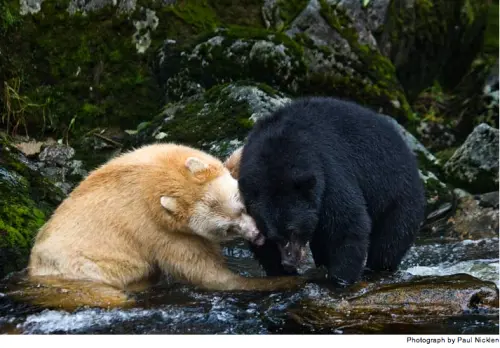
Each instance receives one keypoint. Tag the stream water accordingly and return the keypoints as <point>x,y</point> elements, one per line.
<point>179,309</point>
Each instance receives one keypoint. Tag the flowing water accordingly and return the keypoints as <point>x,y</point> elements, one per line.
<point>182,309</point>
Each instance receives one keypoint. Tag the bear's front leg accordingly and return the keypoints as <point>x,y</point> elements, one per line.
<point>341,244</point>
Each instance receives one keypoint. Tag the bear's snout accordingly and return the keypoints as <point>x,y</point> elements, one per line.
<point>292,254</point>
<point>249,230</point>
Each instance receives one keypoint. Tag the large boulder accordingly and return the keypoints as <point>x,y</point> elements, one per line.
<point>298,62</point>
<point>474,166</point>
<point>216,121</point>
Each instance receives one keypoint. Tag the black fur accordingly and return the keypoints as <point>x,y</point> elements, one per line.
<point>335,174</point>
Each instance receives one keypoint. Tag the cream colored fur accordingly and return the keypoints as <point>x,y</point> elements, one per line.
<point>162,206</point>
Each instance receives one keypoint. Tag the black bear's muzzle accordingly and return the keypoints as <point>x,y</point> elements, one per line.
<point>292,254</point>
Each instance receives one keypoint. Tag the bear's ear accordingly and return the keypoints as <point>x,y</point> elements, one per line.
<point>169,203</point>
<point>195,165</point>
<point>232,163</point>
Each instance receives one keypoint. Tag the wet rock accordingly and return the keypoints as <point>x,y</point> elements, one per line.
<point>375,307</point>
<point>482,269</point>
<point>28,199</point>
<point>474,166</point>
<point>488,200</point>
<point>473,218</point>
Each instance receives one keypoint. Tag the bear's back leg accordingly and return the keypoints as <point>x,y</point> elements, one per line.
<point>393,234</point>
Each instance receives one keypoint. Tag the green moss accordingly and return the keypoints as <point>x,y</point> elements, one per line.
<point>433,40</point>
<point>289,9</point>
<point>232,54</point>
<point>197,13</point>
<point>375,83</point>
<point>9,16</point>
<point>241,12</point>
<point>445,155</point>
<point>490,43</point>
<point>209,121</point>
<point>68,62</point>
<point>27,201</point>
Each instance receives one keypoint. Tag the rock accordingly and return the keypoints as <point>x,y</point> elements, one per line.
<point>30,6</point>
<point>474,166</point>
<point>381,307</point>
<point>228,55</point>
<point>476,98</point>
<point>28,199</point>
<point>343,58</point>
<point>84,6</point>
<point>376,12</point>
<point>472,220</point>
<point>424,38</point>
<point>216,121</point>
<point>56,162</point>
<point>488,200</point>
<point>32,148</point>
<point>316,56</point>
<point>438,193</point>
<point>56,154</point>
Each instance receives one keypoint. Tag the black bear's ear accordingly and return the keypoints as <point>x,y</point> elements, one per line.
<point>305,183</point>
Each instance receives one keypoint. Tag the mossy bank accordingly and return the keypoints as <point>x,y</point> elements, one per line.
<point>27,201</point>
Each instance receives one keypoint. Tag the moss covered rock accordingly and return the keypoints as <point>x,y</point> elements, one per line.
<point>474,166</point>
<point>216,121</point>
<point>228,55</point>
<point>298,66</point>
<point>27,201</point>
<point>71,66</point>
<point>432,40</point>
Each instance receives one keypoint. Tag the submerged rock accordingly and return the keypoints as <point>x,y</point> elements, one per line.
<point>474,166</point>
<point>377,307</point>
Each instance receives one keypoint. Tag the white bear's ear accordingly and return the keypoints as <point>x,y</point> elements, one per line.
<point>195,165</point>
<point>169,203</point>
<point>232,163</point>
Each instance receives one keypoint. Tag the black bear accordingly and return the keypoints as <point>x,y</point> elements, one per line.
<point>337,175</point>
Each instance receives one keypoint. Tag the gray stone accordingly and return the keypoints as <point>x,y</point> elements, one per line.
<point>475,164</point>
<point>29,6</point>
<point>376,12</point>
<point>56,154</point>
<point>126,6</point>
